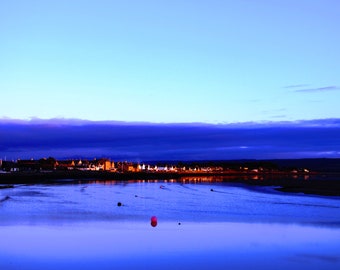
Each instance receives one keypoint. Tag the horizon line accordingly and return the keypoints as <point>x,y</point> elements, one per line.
<point>82,122</point>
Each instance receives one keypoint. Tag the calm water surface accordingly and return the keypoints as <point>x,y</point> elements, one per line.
<point>200,225</point>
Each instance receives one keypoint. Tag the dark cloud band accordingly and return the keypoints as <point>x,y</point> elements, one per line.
<point>146,141</point>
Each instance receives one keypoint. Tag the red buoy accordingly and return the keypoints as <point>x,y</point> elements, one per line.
<point>153,221</point>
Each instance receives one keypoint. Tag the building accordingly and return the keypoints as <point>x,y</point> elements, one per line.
<point>9,166</point>
<point>48,164</point>
<point>66,165</point>
<point>28,165</point>
<point>128,167</point>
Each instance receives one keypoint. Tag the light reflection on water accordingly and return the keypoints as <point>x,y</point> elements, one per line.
<point>222,225</point>
<point>170,200</point>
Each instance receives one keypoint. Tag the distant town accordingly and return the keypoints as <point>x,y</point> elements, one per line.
<point>104,164</point>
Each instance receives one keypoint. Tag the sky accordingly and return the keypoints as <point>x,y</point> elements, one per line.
<point>170,61</point>
<point>163,62</point>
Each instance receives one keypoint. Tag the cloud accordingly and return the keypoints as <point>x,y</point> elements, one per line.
<point>282,116</point>
<point>319,89</point>
<point>296,86</point>
<point>147,141</point>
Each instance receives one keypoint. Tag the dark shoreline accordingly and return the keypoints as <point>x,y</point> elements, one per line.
<point>325,184</point>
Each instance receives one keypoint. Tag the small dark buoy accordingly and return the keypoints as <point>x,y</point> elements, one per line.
<point>179,223</point>
<point>136,196</point>
<point>211,190</point>
<point>119,204</point>
<point>153,221</point>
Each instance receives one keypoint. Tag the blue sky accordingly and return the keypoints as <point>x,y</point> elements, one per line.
<point>170,61</point>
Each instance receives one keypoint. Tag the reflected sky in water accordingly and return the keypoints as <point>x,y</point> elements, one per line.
<point>200,225</point>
